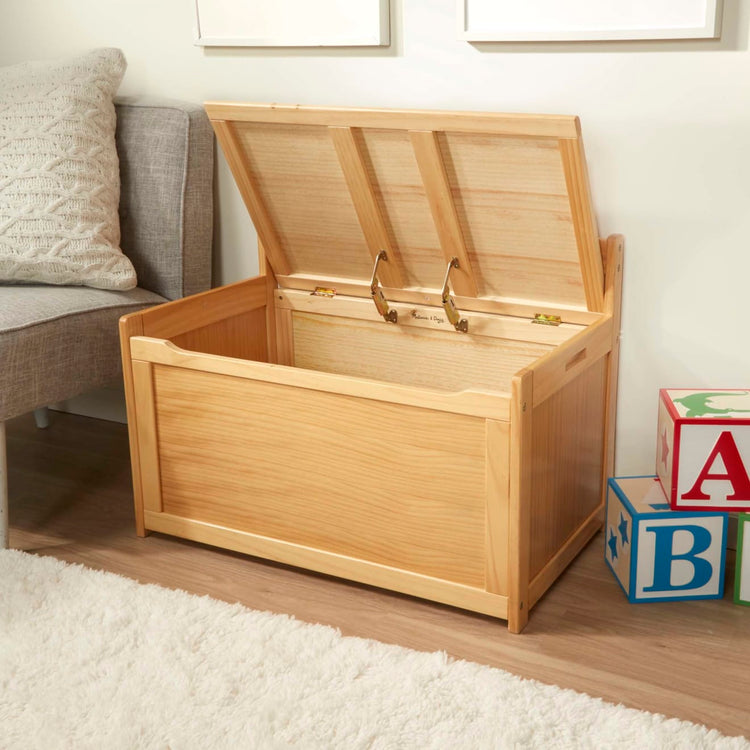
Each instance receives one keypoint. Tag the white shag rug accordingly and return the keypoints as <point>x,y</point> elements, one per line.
<point>94,660</point>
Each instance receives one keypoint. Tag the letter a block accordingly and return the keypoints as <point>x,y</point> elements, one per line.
<point>657,554</point>
<point>742,571</point>
<point>703,449</point>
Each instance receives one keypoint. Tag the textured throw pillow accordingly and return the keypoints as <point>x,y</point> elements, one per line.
<point>59,173</point>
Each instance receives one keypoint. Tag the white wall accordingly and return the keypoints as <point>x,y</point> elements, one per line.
<point>666,126</point>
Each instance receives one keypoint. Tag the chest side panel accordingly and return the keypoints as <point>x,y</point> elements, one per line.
<point>567,436</point>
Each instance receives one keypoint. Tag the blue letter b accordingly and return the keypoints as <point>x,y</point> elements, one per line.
<point>664,557</point>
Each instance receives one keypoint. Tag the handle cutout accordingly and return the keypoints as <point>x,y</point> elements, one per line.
<point>575,359</point>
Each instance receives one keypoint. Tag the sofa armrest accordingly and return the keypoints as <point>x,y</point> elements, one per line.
<point>166,156</point>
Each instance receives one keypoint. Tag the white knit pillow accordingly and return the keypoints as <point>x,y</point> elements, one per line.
<point>59,173</point>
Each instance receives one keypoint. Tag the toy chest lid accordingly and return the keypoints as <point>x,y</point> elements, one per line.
<point>507,195</point>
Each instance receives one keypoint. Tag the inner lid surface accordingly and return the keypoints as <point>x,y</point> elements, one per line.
<point>327,195</point>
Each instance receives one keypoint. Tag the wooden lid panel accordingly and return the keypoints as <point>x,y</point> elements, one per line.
<point>512,202</point>
<point>507,196</point>
<point>395,176</point>
<point>296,170</point>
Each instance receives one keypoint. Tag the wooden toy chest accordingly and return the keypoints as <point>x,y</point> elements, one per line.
<point>418,390</point>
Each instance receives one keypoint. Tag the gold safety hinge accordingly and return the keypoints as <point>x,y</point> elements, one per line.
<point>449,305</point>
<point>543,319</point>
<point>391,316</point>
<point>323,291</point>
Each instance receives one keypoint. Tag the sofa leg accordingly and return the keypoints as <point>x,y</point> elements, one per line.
<point>3,490</point>
<point>41,417</point>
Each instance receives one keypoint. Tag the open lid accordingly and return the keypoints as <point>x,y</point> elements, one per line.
<point>328,189</point>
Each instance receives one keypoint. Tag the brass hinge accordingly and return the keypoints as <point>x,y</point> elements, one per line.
<point>321,291</point>
<point>449,304</point>
<point>390,316</point>
<point>547,320</point>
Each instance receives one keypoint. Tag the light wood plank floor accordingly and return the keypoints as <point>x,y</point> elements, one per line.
<point>71,498</point>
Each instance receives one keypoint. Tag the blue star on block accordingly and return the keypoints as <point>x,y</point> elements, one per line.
<point>612,543</point>
<point>623,529</point>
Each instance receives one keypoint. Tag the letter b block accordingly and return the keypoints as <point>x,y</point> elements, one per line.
<point>703,449</point>
<point>657,554</point>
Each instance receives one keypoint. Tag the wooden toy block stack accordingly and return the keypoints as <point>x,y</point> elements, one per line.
<point>666,535</point>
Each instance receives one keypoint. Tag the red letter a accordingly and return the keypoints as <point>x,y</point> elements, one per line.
<point>736,474</point>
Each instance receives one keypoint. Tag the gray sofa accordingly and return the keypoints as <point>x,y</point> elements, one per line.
<point>57,342</point>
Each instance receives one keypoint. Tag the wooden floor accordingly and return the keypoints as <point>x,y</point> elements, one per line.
<point>71,498</point>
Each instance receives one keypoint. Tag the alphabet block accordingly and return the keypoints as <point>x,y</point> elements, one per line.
<point>742,569</point>
<point>657,554</point>
<point>703,449</point>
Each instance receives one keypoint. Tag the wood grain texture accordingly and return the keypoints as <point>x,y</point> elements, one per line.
<point>362,571</point>
<point>394,174</point>
<point>512,203</point>
<point>407,446</point>
<point>183,315</point>
<point>251,195</point>
<point>567,442</point>
<point>71,498</point>
<point>263,264</point>
<point>271,338</point>
<point>563,557</point>
<point>241,336</point>
<point>147,435</point>
<point>492,405</point>
<point>443,360</point>
<point>422,316</point>
<point>265,269</point>
<point>366,205</point>
<point>333,189</point>
<point>519,308</point>
<point>284,337</point>
<point>497,463</point>
<point>543,126</point>
<point>520,489</point>
<point>614,252</point>
<point>309,468</point>
<point>297,172</point>
<point>566,362</point>
<point>584,221</point>
<point>132,325</point>
<point>438,191</point>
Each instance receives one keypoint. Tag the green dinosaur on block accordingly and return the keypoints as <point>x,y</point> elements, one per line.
<point>697,404</point>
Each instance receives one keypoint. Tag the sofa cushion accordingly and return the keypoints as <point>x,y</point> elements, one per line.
<point>59,175</point>
<point>58,337</point>
<point>166,153</point>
